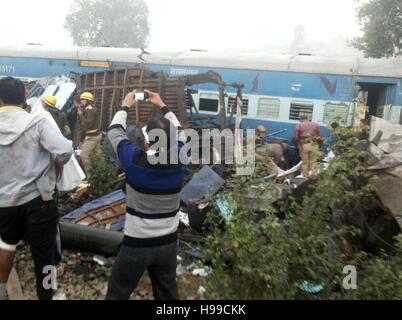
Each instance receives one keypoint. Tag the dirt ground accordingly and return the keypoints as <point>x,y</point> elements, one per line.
<point>84,279</point>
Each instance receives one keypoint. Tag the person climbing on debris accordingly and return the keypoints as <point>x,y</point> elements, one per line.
<point>49,104</point>
<point>153,203</point>
<point>91,135</point>
<point>274,151</point>
<point>308,139</point>
<point>28,177</point>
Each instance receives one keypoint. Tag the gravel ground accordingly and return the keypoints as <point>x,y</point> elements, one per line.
<point>83,279</point>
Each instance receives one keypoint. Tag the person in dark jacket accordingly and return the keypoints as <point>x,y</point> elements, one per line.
<point>153,204</point>
<point>49,103</point>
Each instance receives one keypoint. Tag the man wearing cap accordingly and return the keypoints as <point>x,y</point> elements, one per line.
<point>91,136</point>
<point>308,139</point>
<point>260,135</point>
<point>49,104</point>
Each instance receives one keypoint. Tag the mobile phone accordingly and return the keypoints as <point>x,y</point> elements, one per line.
<point>141,96</point>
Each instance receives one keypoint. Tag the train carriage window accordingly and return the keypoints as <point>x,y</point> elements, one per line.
<point>299,108</point>
<point>232,105</point>
<point>336,112</point>
<point>209,102</point>
<point>269,108</point>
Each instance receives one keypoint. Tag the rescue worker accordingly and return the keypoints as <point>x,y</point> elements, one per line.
<point>153,203</point>
<point>49,104</point>
<point>261,135</point>
<point>91,135</point>
<point>73,118</point>
<point>28,177</point>
<point>308,139</point>
<point>274,151</point>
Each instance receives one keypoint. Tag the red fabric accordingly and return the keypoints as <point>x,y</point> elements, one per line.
<point>306,129</point>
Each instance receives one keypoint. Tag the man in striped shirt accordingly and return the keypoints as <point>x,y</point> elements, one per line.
<point>153,204</point>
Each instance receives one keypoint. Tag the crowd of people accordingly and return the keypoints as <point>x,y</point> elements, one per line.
<point>34,148</point>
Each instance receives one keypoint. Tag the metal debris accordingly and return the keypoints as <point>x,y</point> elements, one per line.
<point>386,164</point>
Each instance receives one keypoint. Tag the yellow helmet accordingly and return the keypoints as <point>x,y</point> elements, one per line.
<point>87,96</point>
<point>50,100</point>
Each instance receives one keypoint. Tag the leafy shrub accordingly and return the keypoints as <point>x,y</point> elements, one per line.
<point>301,256</point>
<point>102,175</point>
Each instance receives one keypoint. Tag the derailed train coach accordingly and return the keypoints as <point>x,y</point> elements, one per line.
<point>278,89</point>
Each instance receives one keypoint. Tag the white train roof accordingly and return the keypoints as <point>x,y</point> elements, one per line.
<point>258,61</point>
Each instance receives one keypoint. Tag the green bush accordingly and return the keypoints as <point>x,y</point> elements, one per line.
<point>381,276</point>
<point>262,257</point>
<point>102,175</point>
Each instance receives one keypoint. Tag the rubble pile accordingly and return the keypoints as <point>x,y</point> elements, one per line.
<point>84,276</point>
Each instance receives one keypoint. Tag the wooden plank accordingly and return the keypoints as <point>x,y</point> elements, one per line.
<point>103,118</point>
<point>126,79</point>
<point>14,287</point>
<point>181,104</point>
<point>116,95</point>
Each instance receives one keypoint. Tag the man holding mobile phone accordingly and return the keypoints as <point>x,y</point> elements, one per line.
<point>153,203</point>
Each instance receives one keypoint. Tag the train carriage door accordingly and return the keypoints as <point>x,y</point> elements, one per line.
<point>361,108</point>
<point>375,95</point>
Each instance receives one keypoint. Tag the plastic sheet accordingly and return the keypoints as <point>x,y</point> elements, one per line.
<point>204,183</point>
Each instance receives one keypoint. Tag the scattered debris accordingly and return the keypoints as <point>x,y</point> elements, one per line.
<point>386,164</point>
<point>60,296</point>
<point>106,213</point>
<point>202,291</point>
<point>225,209</point>
<point>197,213</point>
<point>200,272</point>
<point>260,197</point>
<point>196,255</point>
<point>113,84</point>
<point>311,288</point>
<point>181,270</point>
<point>62,87</point>
<point>81,191</point>
<point>102,261</point>
<point>204,183</point>
<point>184,219</point>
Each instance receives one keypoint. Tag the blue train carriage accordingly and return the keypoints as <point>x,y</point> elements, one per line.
<point>277,88</point>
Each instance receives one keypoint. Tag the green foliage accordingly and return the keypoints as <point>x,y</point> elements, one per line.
<point>102,176</point>
<point>381,22</point>
<point>258,256</point>
<point>381,279</point>
<point>117,23</point>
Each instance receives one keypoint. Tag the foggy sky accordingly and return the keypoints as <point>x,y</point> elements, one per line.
<point>194,24</point>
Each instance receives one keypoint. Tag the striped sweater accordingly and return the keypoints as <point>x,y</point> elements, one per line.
<point>153,192</point>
